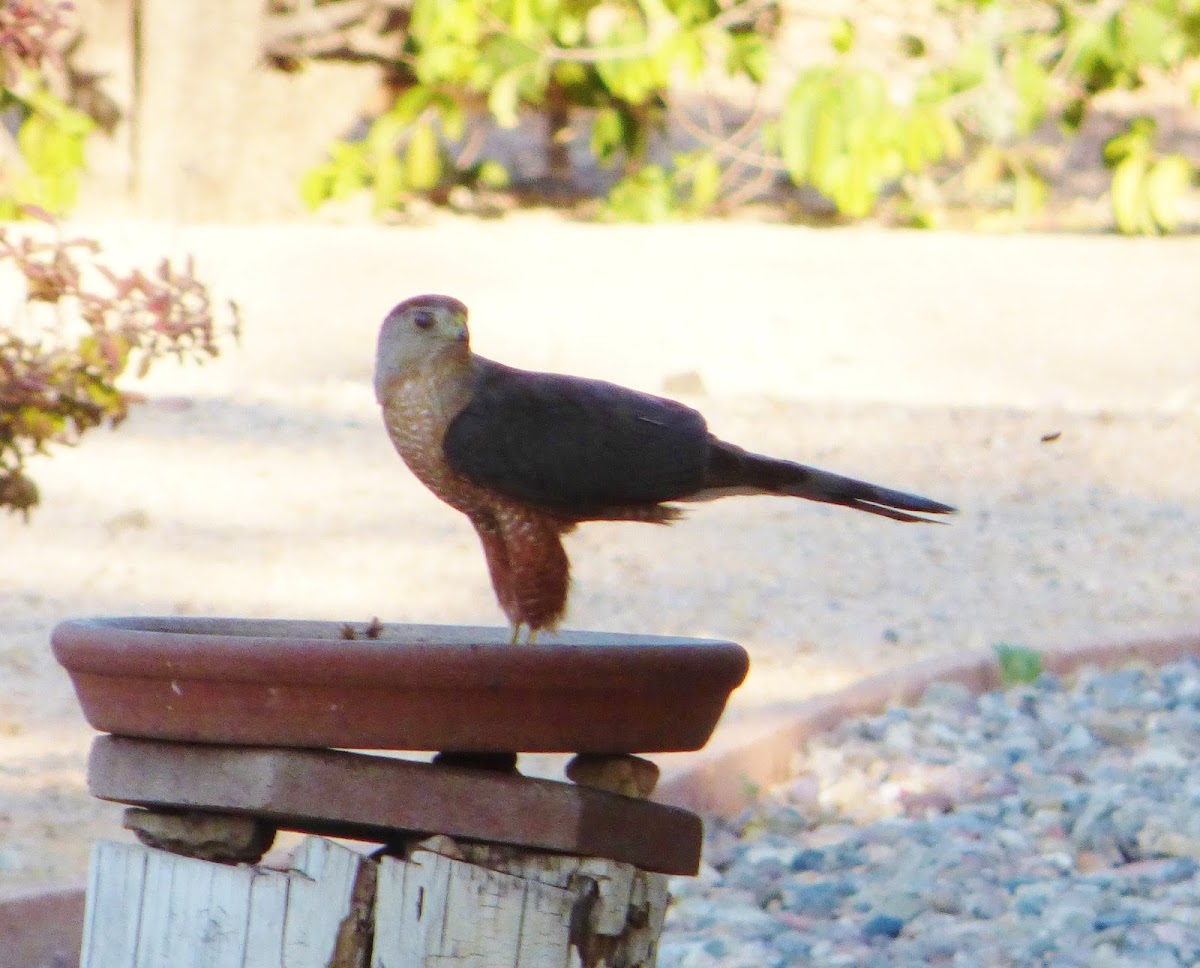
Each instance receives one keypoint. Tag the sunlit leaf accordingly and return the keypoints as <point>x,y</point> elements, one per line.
<point>1029,192</point>
<point>749,54</point>
<point>492,174</point>
<point>1136,141</point>
<point>315,186</point>
<point>411,103</point>
<point>504,99</point>
<point>608,134</point>
<point>1128,195</point>
<point>522,20</point>
<point>389,182</point>
<point>1166,182</point>
<point>1146,34</point>
<point>841,35</point>
<point>796,126</point>
<point>453,117</point>
<point>1031,83</point>
<point>569,29</point>
<point>645,196</point>
<point>687,48</point>
<point>706,182</point>
<point>423,159</point>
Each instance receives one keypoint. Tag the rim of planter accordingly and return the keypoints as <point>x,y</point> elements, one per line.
<point>281,682</point>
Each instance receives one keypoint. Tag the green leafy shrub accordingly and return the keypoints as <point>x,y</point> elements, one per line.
<point>81,325</point>
<point>45,159</point>
<point>841,133</point>
<point>612,58</point>
<point>958,114</point>
<point>85,326</point>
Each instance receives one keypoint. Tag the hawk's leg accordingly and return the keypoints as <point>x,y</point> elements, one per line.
<point>499,569</point>
<point>529,568</point>
<point>515,639</point>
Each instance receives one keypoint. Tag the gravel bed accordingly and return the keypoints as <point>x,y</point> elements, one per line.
<point>1056,823</point>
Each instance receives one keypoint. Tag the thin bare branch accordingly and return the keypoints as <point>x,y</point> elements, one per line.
<point>728,148</point>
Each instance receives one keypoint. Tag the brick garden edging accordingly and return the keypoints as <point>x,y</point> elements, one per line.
<point>41,926</point>
<point>756,751</point>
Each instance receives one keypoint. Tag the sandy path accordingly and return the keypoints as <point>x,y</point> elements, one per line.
<point>263,485</point>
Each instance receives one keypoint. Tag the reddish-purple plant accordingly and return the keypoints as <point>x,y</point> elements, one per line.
<point>57,382</point>
<point>31,35</point>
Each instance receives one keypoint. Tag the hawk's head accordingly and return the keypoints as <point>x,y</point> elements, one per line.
<point>414,332</point>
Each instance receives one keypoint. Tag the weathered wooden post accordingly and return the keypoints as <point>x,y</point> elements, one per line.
<point>224,731</point>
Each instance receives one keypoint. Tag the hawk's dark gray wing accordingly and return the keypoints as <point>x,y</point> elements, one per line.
<point>577,447</point>
<point>573,445</point>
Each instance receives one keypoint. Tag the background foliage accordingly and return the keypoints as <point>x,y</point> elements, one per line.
<point>85,325</point>
<point>42,138</point>
<point>77,325</point>
<point>695,110</point>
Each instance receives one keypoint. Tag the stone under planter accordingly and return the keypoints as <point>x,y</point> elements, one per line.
<point>272,682</point>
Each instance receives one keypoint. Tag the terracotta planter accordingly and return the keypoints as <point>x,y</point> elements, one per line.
<point>415,687</point>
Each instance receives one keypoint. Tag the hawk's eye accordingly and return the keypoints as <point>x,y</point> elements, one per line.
<point>423,319</point>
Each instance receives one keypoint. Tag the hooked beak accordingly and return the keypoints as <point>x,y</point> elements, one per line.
<point>460,331</point>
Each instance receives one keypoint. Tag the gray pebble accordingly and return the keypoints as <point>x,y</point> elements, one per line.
<point>946,900</point>
<point>903,903</point>
<point>1119,918</point>
<point>1072,837</point>
<point>1032,899</point>
<point>793,945</point>
<point>808,860</point>
<point>883,926</point>
<point>820,899</point>
<point>987,904</point>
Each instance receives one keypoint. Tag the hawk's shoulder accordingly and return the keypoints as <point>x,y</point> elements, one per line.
<point>572,445</point>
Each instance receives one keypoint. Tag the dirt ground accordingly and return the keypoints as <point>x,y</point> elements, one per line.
<point>263,484</point>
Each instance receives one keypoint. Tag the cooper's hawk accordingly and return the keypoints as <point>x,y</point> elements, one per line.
<point>528,456</point>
